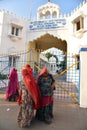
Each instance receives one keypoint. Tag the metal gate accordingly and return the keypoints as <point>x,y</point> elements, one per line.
<point>66,89</point>
<point>67,75</point>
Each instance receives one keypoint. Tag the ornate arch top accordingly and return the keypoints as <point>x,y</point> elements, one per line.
<point>51,7</point>
<point>47,41</point>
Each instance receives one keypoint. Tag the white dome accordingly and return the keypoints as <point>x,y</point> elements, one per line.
<point>49,9</point>
<point>52,59</point>
<point>49,5</point>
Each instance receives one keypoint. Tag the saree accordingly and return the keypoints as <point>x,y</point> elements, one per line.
<point>45,81</point>
<point>26,111</point>
<point>13,85</point>
<point>31,87</point>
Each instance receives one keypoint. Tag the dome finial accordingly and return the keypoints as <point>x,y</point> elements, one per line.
<point>48,0</point>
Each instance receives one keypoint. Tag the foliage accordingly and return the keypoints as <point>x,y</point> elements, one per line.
<point>48,55</point>
<point>3,76</point>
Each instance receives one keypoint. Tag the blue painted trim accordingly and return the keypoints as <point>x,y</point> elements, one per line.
<point>79,82</point>
<point>83,49</point>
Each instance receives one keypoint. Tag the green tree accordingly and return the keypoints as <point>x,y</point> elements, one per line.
<point>48,55</point>
<point>56,58</point>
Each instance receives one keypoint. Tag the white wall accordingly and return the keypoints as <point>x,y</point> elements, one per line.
<point>83,78</point>
<point>60,33</point>
<point>1,24</point>
<point>8,43</point>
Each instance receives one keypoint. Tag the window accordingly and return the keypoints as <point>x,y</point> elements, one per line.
<point>54,14</point>
<point>13,61</point>
<point>12,32</point>
<point>10,61</point>
<point>48,15</point>
<point>77,60</point>
<point>78,24</point>
<point>15,31</point>
<point>51,67</point>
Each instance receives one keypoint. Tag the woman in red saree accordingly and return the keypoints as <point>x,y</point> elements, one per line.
<point>29,98</point>
<point>34,88</point>
<point>46,85</point>
<point>13,86</point>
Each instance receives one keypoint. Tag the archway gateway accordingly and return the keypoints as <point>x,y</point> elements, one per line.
<point>66,90</point>
<point>45,42</point>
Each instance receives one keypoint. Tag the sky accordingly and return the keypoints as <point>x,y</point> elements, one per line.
<point>25,8</point>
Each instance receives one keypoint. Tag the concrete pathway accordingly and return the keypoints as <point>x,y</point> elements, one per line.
<point>67,116</point>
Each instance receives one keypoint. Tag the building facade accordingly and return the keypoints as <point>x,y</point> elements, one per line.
<point>16,32</point>
<point>50,29</point>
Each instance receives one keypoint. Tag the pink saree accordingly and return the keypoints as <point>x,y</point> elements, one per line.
<point>13,84</point>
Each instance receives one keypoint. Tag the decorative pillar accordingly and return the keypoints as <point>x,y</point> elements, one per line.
<point>33,54</point>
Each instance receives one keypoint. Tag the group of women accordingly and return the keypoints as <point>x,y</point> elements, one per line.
<point>32,95</point>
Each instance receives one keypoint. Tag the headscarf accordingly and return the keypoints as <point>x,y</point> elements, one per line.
<point>44,70</point>
<point>31,87</point>
<point>29,69</point>
<point>13,74</point>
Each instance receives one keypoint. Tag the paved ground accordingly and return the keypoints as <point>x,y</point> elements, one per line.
<point>67,116</point>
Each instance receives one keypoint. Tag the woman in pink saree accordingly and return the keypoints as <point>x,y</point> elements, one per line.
<point>13,86</point>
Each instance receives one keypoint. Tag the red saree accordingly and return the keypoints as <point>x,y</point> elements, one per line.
<point>31,87</point>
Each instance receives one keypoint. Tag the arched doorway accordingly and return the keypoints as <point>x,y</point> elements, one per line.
<point>45,42</point>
